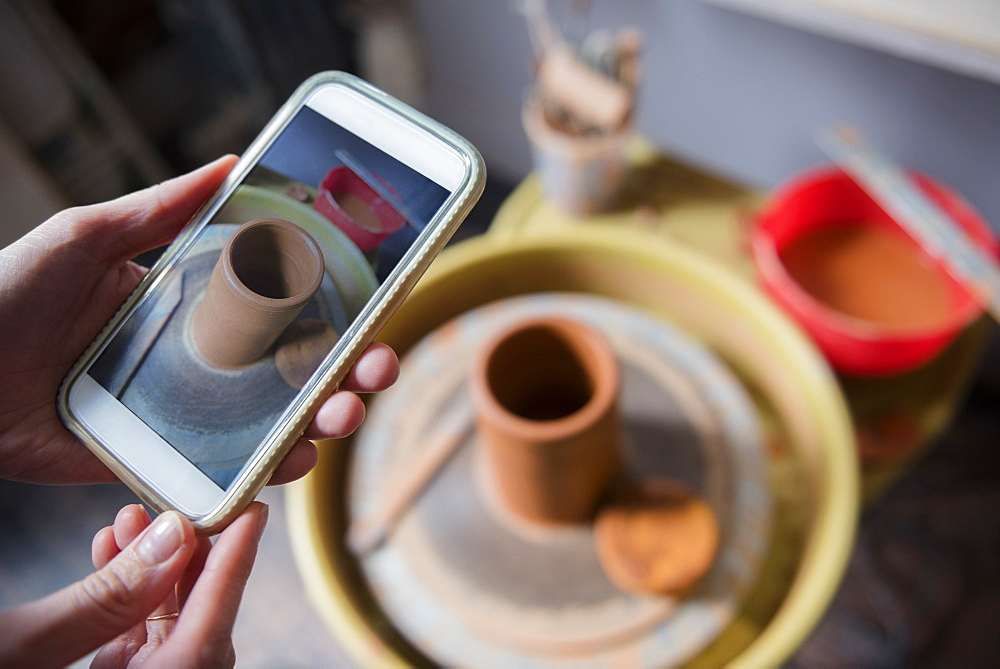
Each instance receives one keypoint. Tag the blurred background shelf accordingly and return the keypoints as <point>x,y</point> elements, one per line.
<point>961,35</point>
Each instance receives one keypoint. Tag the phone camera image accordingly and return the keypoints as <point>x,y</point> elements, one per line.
<point>267,272</point>
<point>237,325</point>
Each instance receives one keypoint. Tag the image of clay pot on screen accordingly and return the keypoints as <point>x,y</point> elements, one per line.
<point>267,272</point>
<point>241,324</point>
<point>359,202</point>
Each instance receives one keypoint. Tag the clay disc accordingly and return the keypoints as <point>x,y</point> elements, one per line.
<point>656,536</point>
<point>301,348</point>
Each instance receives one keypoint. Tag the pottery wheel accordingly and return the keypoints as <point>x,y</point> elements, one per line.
<point>469,584</point>
<point>214,417</point>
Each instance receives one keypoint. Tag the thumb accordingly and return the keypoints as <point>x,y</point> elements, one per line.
<point>69,623</point>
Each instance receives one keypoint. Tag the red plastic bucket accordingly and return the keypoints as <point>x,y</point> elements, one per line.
<point>823,198</point>
<point>354,207</point>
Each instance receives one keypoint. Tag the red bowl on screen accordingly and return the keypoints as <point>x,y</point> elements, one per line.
<point>356,208</point>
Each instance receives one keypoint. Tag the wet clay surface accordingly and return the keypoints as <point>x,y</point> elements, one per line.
<point>869,272</point>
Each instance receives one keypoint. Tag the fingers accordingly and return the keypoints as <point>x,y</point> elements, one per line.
<point>299,462</point>
<point>104,548</point>
<point>210,610</point>
<point>82,616</point>
<point>193,571</point>
<point>121,229</point>
<point>375,370</point>
<point>343,412</point>
<point>110,541</point>
<point>129,523</point>
<point>339,417</point>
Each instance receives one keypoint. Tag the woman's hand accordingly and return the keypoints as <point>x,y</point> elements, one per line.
<point>64,280</point>
<point>159,595</point>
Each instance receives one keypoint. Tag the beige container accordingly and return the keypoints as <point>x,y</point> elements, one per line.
<point>268,270</point>
<point>580,174</point>
<point>545,396</point>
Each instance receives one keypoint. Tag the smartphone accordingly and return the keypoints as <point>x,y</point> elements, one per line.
<point>211,370</point>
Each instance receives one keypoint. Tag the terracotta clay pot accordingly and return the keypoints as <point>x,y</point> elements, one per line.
<point>267,272</point>
<point>545,396</point>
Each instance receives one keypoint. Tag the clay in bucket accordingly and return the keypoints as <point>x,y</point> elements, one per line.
<point>871,272</point>
<point>268,270</point>
<point>872,298</point>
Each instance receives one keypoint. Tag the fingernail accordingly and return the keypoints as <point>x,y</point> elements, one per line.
<point>161,540</point>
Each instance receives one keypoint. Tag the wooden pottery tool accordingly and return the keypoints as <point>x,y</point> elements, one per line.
<point>585,94</point>
<point>369,532</point>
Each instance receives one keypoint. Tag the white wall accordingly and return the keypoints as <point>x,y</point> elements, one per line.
<point>734,93</point>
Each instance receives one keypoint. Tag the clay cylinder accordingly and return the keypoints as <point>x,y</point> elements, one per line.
<point>267,272</point>
<point>545,395</point>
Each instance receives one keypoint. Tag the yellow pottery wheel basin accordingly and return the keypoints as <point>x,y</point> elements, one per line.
<point>812,466</point>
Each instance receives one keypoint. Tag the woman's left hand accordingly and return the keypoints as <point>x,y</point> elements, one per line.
<point>160,595</point>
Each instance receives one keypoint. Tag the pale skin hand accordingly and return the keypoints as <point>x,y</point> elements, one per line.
<point>143,572</point>
<point>64,280</point>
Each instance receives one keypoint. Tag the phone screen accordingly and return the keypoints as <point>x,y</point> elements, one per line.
<point>362,207</point>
